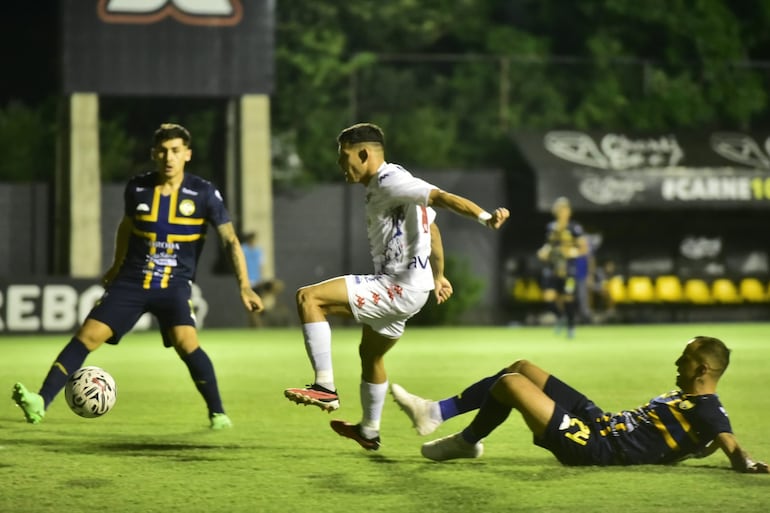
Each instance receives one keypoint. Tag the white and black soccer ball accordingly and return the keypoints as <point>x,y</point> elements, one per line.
<point>90,392</point>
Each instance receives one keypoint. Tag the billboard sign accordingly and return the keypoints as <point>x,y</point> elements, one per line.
<point>612,171</point>
<point>56,305</point>
<point>209,48</point>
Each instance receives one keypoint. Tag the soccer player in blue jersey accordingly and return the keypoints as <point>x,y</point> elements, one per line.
<point>565,242</point>
<point>157,245</point>
<point>687,422</point>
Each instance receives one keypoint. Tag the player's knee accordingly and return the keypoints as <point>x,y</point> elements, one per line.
<point>505,389</point>
<point>304,297</point>
<point>185,346</point>
<point>93,336</point>
<point>518,366</point>
<point>91,343</point>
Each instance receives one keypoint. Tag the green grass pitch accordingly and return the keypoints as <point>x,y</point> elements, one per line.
<point>155,453</point>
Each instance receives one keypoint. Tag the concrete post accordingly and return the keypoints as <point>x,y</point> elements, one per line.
<point>81,178</point>
<point>256,192</point>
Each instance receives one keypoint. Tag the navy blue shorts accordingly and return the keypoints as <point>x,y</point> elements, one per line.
<point>123,303</point>
<point>572,434</point>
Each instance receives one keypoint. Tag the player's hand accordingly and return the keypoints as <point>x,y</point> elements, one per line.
<point>499,216</point>
<point>756,467</point>
<point>442,289</point>
<point>251,300</point>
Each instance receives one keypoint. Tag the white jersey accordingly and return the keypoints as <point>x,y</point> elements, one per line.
<point>398,226</point>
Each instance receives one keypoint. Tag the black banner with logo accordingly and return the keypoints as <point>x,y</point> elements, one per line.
<point>42,304</point>
<point>210,48</point>
<point>616,171</point>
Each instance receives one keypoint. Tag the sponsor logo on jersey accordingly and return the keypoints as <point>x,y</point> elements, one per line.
<point>191,192</point>
<point>187,207</point>
<point>142,207</point>
<point>419,262</point>
<point>162,244</point>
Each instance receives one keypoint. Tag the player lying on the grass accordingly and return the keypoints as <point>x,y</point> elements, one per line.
<point>158,242</point>
<point>686,422</point>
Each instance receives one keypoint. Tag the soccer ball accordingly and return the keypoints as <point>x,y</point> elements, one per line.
<point>90,392</point>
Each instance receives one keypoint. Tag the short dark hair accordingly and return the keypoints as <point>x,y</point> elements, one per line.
<point>168,131</point>
<point>362,133</point>
<point>714,349</point>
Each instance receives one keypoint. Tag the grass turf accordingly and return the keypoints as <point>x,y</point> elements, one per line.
<point>155,453</point>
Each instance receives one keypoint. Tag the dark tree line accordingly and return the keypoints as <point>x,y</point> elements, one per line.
<point>449,82</point>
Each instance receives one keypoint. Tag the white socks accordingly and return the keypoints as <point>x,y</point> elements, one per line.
<point>372,402</point>
<point>318,344</point>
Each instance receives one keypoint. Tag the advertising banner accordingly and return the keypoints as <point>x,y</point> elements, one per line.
<point>210,48</point>
<point>46,305</point>
<point>617,171</point>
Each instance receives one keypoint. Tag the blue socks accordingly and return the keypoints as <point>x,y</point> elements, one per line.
<point>69,360</point>
<point>202,372</point>
<point>469,399</point>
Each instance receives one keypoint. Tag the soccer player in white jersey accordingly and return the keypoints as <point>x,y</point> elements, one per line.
<point>406,250</point>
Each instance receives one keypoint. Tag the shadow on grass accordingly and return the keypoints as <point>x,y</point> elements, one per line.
<point>179,451</point>
<point>176,451</point>
<point>382,459</point>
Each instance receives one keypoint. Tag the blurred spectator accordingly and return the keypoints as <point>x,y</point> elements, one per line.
<point>603,303</point>
<point>254,258</point>
<point>585,277</point>
<point>274,313</point>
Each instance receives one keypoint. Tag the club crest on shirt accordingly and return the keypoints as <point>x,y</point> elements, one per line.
<point>686,405</point>
<point>187,207</point>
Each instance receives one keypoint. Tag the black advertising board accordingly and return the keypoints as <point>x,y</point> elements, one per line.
<point>620,171</point>
<point>206,48</point>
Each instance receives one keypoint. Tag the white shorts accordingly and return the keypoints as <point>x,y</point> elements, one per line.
<point>383,304</point>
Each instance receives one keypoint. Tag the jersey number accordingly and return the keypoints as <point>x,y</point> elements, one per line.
<point>581,436</point>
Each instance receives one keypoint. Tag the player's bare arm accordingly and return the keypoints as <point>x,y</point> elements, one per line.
<point>443,288</point>
<point>468,208</point>
<point>122,236</point>
<point>232,246</point>
<point>740,459</point>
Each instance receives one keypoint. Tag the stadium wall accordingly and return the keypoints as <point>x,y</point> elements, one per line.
<point>319,233</point>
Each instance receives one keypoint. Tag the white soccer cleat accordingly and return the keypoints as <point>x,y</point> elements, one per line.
<point>418,409</point>
<point>451,447</point>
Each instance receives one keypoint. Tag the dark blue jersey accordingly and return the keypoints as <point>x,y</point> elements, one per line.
<point>561,241</point>
<point>169,231</point>
<point>669,428</point>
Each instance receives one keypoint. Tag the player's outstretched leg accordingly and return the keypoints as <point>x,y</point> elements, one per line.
<point>31,404</point>
<point>424,413</point>
<point>451,447</point>
<point>316,395</point>
<point>353,431</point>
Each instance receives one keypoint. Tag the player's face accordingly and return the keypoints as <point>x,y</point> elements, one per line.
<point>349,160</point>
<point>562,213</point>
<point>687,367</point>
<point>170,157</point>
